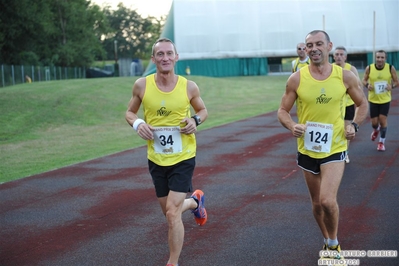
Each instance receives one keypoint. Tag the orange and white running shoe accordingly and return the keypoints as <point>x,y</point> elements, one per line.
<point>200,214</point>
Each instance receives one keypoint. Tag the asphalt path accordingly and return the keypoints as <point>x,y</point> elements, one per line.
<point>104,211</point>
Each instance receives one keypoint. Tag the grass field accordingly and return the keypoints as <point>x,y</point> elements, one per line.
<point>48,125</point>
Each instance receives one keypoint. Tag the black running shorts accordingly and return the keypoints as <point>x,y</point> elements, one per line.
<point>350,112</point>
<point>379,109</point>
<point>312,165</point>
<point>176,177</point>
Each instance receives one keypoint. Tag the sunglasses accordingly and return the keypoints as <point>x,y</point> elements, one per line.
<point>303,49</point>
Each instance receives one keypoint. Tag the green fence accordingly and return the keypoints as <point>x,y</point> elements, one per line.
<point>12,75</point>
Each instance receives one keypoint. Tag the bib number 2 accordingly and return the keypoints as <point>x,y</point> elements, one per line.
<point>318,137</point>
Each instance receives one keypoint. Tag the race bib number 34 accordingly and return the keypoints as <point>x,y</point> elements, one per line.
<point>318,137</point>
<point>167,140</point>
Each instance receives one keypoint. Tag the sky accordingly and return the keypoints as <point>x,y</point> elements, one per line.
<point>155,8</point>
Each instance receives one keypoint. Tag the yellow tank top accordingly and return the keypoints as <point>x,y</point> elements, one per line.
<point>321,105</point>
<point>164,111</point>
<point>298,64</point>
<point>349,100</point>
<point>379,79</point>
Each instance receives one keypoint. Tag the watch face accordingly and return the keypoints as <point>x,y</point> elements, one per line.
<point>197,119</point>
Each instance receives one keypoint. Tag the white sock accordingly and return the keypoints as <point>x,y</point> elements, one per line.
<point>332,242</point>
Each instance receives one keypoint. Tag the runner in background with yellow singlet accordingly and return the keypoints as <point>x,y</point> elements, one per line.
<point>303,58</point>
<point>340,56</point>
<point>379,79</point>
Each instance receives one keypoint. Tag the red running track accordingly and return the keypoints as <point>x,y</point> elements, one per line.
<point>104,211</point>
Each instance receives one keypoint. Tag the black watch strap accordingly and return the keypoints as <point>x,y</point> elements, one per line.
<point>197,120</point>
<point>356,126</point>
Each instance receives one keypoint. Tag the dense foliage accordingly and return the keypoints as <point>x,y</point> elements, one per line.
<point>72,32</point>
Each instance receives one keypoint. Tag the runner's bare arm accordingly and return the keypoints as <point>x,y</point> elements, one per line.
<point>356,93</point>
<point>287,102</point>
<point>354,71</point>
<point>365,80</point>
<point>143,130</point>
<point>395,81</point>
<point>198,105</point>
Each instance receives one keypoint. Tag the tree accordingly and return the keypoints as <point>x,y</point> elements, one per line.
<point>72,32</point>
<point>133,33</point>
<point>23,30</point>
<point>54,32</point>
<point>79,25</point>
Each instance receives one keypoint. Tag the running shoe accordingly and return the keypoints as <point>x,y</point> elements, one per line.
<point>325,247</point>
<point>347,158</point>
<point>374,134</point>
<point>380,146</point>
<point>337,255</point>
<point>170,264</point>
<point>200,215</point>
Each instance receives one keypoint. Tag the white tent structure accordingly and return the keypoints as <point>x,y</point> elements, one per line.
<point>238,37</point>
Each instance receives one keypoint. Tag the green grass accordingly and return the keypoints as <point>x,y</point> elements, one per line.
<point>48,125</point>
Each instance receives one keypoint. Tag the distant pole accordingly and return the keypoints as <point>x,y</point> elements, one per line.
<point>2,75</point>
<point>324,23</point>
<point>374,38</point>
<point>116,51</point>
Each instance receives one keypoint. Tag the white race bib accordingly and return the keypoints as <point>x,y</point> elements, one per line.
<point>318,137</point>
<point>380,87</point>
<point>167,140</point>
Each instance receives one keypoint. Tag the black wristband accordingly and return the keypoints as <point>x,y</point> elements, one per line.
<point>356,126</point>
<point>197,120</point>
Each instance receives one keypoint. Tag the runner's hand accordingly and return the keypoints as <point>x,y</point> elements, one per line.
<point>350,132</point>
<point>190,126</point>
<point>145,131</point>
<point>298,130</point>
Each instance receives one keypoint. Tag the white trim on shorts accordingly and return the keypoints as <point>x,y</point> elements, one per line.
<point>342,158</point>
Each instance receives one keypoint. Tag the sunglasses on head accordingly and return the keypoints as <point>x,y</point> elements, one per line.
<point>301,48</point>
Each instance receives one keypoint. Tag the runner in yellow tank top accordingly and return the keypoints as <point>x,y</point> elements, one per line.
<point>321,106</point>
<point>319,92</point>
<point>169,130</point>
<point>164,111</point>
<point>340,56</point>
<point>302,60</point>
<point>380,78</point>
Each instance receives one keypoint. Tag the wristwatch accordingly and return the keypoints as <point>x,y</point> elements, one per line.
<point>197,120</point>
<point>356,126</point>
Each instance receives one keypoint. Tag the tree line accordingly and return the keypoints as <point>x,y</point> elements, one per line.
<point>72,32</point>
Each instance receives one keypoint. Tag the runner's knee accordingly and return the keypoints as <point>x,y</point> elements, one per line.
<point>329,205</point>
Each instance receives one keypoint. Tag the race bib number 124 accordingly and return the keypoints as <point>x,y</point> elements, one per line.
<point>318,137</point>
